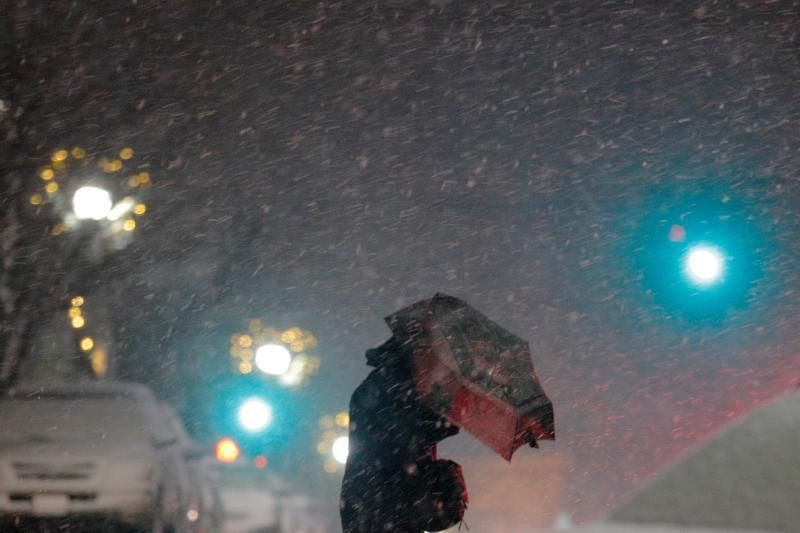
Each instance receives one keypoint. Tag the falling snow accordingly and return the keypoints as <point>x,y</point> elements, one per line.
<point>327,163</point>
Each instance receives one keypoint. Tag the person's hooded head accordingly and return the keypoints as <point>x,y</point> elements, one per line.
<point>390,353</point>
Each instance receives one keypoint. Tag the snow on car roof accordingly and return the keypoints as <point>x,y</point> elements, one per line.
<point>132,394</point>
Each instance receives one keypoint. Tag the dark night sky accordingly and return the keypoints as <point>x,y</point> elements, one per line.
<point>325,163</point>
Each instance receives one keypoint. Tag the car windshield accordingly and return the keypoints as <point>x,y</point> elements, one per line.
<point>49,417</point>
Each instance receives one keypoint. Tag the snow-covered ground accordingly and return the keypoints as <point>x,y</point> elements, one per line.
<point>255,507</point>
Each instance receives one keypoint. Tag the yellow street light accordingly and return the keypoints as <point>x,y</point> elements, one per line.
<point>114,165</point>
<point>291,335</point>
<point>87,344</point>
<point>226,450</point>
<point>99,360</point>
<point>343,419</point>
<point>78,322</point>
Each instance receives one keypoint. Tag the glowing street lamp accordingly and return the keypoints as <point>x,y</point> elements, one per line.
<point>340,449</point>
<point>64,186</point>
<point>74,189</point>
<point>91,203</point>
<point>704,265</point>
<point>254,415</point>
<point>273,359</point>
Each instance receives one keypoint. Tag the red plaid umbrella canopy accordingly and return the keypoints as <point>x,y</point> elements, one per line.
<point>476,373</point>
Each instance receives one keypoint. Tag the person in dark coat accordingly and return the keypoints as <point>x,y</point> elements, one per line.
<point>393,480</point>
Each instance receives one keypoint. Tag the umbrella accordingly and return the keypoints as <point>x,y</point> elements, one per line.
<point>747,476</point>
<point>474,372</point>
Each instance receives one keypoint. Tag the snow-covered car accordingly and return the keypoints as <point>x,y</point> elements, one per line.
<point>200,503</point>
<point>86,450</point>
<point>204,512</point>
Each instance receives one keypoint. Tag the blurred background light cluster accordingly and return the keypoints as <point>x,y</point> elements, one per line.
<point>96,353</point>
<point>333,442</point>
<point>81,186</point>
<point>287,355</point>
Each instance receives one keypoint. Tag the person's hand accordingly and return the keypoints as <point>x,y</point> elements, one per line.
<point>432,428</point>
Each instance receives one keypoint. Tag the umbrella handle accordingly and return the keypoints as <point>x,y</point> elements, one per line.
<point>434,452</point>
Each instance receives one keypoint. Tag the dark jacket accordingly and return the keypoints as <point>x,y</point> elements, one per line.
<point>393,481</point>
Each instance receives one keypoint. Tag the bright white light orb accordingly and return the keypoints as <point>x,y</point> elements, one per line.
<point>273,359</point>
<point>704,264</point>
<point>340,449</point>
<point>255,415</point>
<point>91,203</point>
